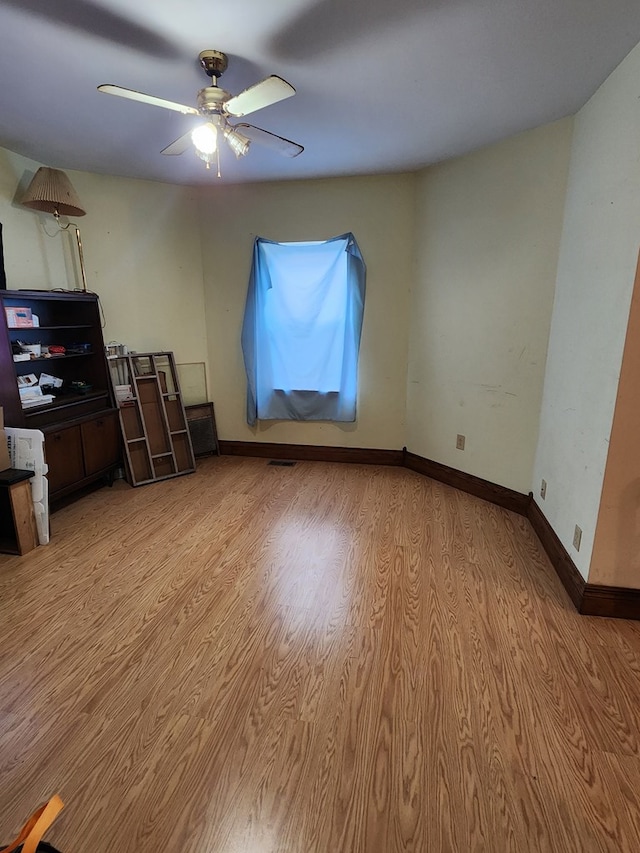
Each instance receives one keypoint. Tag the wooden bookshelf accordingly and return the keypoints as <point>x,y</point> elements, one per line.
<point>82,442</point>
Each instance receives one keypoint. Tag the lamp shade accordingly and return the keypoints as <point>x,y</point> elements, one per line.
<point>51,191</point>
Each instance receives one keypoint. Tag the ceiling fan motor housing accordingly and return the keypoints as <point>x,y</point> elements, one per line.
<point>211,100</point>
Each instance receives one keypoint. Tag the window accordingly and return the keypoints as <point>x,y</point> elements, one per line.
<point>301,331</point>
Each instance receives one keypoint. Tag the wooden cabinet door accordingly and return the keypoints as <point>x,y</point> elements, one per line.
<point>63,450</point>
<point>100,443</point>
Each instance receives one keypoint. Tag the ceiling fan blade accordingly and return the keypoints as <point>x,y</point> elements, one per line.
<point>270,140</point>
<point>180,145</point>
<point>268,91</point>
<point>132,95</point>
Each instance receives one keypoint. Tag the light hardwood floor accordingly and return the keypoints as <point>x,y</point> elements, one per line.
<point>327,657</point>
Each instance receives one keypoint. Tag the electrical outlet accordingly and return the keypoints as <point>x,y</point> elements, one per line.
<point>577,538</point>
<point>543,489</point>
<point>460,442</point>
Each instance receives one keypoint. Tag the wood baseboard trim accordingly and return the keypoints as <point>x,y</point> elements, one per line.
<point>500,495</point>
<point>614,601</point>
<point>311,452</point>
<point>590,599</point>
<point>565,568</point>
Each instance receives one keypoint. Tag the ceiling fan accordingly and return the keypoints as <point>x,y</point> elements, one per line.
<point>217,106</point>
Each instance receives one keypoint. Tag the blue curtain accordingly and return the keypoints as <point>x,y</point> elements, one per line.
<point>301,330</point>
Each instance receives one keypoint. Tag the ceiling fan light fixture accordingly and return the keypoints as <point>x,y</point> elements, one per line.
<point>205,139</point>
<point>208,159</point>
<point>238,142</point>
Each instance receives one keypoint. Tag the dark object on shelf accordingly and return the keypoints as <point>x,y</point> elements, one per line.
<point>201,421</point>
<point>82,437</point>
<point>78,349</point>
<point>79,386</point>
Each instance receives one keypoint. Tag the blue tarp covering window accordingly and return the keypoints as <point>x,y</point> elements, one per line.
<point>301,330</point>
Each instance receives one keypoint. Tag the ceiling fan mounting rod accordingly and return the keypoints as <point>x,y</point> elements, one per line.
<point>214,63</point>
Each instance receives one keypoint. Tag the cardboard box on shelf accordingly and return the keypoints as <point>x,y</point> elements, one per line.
<point>19,318</point>
<point>5,461</point>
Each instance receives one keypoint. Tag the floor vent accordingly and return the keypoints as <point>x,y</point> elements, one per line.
<point>282,462</point>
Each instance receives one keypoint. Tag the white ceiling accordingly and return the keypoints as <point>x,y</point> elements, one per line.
<point>382,85</point>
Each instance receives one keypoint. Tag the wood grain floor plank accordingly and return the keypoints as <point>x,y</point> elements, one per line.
<point>321,657</point>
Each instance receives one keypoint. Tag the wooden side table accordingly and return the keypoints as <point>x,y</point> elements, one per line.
<point>18,531</point>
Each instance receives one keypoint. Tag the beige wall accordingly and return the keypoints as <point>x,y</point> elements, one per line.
<point>487,238</point>
<point>142,244</point>
<point>142,252</point>
<point>31,259</point>
<point>379,211</point>
<point>596,270</point>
